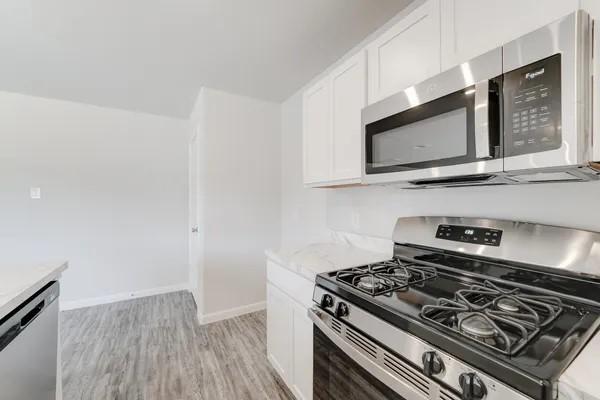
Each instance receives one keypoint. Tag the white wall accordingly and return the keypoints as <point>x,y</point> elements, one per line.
<point>114,194</point>
<point>571,205</point>
<point>240,198</point>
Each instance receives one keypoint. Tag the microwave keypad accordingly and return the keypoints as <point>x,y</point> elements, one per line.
<point>532,107</point>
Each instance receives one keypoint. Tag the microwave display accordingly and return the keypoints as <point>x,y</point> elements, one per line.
<point>532,108</point>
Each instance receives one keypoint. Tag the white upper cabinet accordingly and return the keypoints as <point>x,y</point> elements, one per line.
<point>317,133</point>
<point>332,125</point>
<point>408,53</point>
<point>472,27</point>
<point>349,97</point>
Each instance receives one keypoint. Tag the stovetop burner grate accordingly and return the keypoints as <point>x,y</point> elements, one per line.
<point>503,319</point>
<point>385,277</point>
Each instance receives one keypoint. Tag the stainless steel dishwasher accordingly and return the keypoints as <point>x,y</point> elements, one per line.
<point>29,346</point>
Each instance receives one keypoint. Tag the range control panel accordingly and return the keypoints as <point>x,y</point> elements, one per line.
<point>470,234</point>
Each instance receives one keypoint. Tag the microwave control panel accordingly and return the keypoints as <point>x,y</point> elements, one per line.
<point>470,234</point>
<point>532,107</point>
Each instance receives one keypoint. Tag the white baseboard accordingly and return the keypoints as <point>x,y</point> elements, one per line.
<point>197,298</point>
<point>230,313</point>
<point>278,369</point>
<point>113,298</point>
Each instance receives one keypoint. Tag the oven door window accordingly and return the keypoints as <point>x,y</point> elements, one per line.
<point>435,134</point>
<point>338,377</point>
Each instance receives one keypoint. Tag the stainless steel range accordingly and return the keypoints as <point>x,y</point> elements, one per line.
<point>467,309</point>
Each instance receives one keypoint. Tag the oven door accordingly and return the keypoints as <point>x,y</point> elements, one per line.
<point>446,126</point>
<point>350,366</point>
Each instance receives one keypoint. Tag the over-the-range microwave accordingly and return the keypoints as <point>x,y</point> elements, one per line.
<point>519,113</point>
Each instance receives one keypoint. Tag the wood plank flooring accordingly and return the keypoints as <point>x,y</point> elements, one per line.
<point>153,349</point>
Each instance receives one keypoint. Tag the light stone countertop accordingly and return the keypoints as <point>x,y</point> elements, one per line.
<point>344,251</point>
<point>19,282</point>
<point>581,380</point>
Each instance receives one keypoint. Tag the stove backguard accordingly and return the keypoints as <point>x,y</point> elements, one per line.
<point>552,248</point>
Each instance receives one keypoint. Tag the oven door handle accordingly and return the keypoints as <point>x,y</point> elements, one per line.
<point>482,120</point>
<point>404,390</point>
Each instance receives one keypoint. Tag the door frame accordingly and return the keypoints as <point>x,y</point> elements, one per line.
<point>194,218</point>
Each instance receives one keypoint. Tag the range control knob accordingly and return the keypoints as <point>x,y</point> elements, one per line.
<point>341,310</point>
<point>326,301</point>
<point>432,364</point>
<point>472,386</point>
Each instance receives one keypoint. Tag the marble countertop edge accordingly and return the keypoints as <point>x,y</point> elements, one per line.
<point>313,259</point>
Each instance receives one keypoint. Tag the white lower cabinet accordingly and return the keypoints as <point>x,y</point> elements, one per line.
<point>290,341</point>
<point>303,354</point>
<point>280,332</point>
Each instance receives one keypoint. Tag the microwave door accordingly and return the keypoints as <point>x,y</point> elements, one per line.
<point>446,126</point>
<point>547,97</point>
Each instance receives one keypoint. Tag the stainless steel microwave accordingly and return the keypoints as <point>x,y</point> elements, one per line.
<point>519,113</point>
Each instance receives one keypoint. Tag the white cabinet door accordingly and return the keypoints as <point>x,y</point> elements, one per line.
<point>473,27</point>
<point>279,332</point>
<point>406,54</point>
<point>349,97</point>
<point>303,354</point>
<point>317,133</point>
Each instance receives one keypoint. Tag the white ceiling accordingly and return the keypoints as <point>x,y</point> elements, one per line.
<point>154,55</point>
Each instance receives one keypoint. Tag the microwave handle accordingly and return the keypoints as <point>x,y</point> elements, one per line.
<point>482,127</point>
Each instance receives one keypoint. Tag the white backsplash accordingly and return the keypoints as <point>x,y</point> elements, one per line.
<point>573,205</point>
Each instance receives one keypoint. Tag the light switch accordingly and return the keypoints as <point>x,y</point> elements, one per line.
<point>35,193</point>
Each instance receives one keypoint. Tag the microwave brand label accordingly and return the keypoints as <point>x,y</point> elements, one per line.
<point>534,74</point>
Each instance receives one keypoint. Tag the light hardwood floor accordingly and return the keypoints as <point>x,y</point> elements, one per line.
<point>153,349</point>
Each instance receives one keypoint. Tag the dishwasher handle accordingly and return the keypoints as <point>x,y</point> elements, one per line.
<point>35,311</point>
<point>9,335</point>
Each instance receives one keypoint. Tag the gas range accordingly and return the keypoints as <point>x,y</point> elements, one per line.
<point>455,315</point>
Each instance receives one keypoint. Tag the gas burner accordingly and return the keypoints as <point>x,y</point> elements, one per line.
<point>508,304</point>
<point>386,276</point>
<point>476,324</point>
<point>400,272</point>
<point>503,319</point>
<point>370,282</point>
